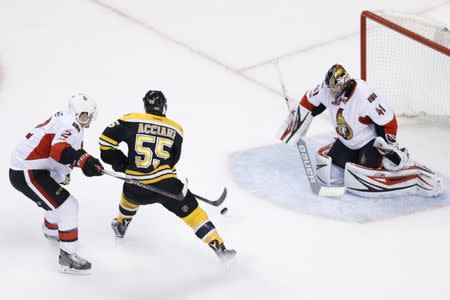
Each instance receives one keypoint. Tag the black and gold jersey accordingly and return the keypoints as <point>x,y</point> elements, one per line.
<point>154,146</point>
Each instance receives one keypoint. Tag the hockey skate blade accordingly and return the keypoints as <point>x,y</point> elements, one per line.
<point>69,270</point>
<point>331,191</point>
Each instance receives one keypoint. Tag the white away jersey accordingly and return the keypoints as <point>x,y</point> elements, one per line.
<point>43,145</point>
<point>354,113</point>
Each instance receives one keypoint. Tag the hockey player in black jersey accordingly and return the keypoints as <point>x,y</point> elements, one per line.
<point>154,148</point>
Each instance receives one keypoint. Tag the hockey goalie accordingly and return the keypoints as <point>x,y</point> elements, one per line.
<point>365,156</point>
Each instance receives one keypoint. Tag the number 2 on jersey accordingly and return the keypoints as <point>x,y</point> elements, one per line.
<point>146,154</point>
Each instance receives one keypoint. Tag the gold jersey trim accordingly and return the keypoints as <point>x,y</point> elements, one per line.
<point>137,173</point>
<point>159,120</point>
<point>150,181</point>
<point>160,173</point>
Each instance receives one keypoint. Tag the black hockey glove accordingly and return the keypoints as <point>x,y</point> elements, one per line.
<point>90,165</point>
<point>121,162</point>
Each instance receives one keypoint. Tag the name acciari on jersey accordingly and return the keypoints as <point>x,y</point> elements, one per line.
<point>354,113</point>
<point>154,145</point>
<point>42,146</point>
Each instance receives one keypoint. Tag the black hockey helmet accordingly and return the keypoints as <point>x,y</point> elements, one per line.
<point>155,102</point>
<point>336,78</point>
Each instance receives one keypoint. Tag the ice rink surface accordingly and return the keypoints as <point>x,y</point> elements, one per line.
<point>212,60</point>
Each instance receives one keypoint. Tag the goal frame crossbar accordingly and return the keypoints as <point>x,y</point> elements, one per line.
<point>406,32</point>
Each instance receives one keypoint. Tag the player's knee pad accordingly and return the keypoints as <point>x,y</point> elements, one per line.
<point>326,171</point>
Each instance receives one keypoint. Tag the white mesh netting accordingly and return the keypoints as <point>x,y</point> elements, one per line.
<point>412,77</point>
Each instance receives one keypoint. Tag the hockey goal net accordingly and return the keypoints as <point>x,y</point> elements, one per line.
<point>406,58</point>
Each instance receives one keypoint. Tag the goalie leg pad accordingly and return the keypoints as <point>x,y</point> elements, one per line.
<point>379,183</point>
<point>323,165</point>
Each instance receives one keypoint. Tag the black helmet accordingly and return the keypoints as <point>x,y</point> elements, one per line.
<point>155,102</point>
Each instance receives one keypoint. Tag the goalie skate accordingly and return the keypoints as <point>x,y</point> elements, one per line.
<point>73,264</point>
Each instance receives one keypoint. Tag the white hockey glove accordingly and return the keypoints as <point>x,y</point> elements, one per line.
<point>295,126</point>
<point>394,158</point>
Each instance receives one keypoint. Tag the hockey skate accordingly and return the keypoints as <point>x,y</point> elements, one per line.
<point>220,250</point>
<point>73,264</point>
<point>120,228</point>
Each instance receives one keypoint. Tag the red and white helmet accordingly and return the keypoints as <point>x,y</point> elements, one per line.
<point>79,104</point>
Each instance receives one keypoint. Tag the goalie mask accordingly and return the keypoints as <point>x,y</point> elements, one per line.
<point>155,103</point>
<point>336,78</point>
<point>84,108</point>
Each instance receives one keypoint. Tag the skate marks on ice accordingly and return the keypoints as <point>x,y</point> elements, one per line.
<point>275,173</point>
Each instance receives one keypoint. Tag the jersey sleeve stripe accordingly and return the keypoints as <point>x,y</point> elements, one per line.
<point>57,150</point>
<point>391,127</point>
<point>106,148</point>
<point>108,140</point>
<point>103,143</point>
<point>306,104</point>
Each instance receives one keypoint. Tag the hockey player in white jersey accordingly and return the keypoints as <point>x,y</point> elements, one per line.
<point>366,146</point>
<point>43,161</point>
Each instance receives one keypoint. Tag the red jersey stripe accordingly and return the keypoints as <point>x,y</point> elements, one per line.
<point>43,149</point>
<point>306,104</point>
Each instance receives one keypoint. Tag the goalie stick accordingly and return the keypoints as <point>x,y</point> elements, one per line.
<point>316,187</point>
<point>180,196</point>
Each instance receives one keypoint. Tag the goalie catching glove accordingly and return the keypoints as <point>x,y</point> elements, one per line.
<point>394,157</point>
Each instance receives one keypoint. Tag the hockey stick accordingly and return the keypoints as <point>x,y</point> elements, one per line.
<point>180,196</point>
<point>316,187</point>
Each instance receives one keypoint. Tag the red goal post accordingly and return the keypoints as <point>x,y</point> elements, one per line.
<point>406,58</point>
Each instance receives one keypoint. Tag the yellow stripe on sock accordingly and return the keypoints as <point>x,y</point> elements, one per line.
<point>127,204</point>
<point>196,217</point>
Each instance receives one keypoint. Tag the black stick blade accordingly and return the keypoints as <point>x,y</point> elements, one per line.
<point>216,202</point>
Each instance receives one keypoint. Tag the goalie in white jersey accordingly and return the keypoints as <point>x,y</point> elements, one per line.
<point>43,161</point>
<point>366,145</point>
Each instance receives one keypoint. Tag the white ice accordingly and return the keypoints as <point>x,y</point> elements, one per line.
<point>211,60</point>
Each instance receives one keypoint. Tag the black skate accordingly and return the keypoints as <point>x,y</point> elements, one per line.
<point>220,250</point>
<point>72,263</point>
<point>120,228</point>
